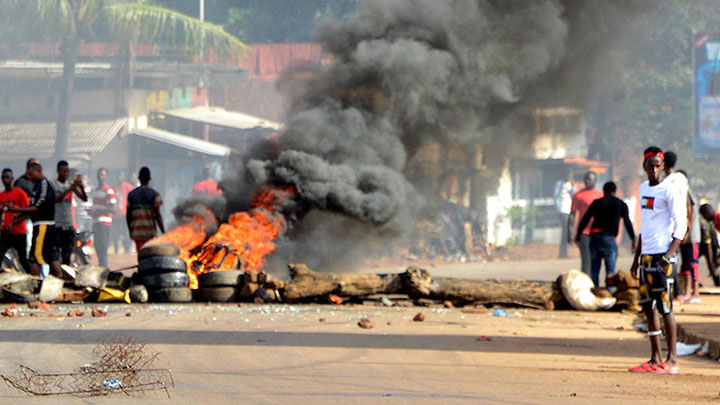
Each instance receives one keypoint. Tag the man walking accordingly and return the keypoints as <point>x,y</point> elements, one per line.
<point>564,191</point>
<point>580,204</point>
<point>14,232</point>
<point>143,211</point>
<point>663,227</point>
<point>44,248</point>
<point>605,213</point>
<point>64,223</point>
<point>102,211</point>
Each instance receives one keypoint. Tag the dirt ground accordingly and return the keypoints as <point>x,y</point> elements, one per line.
<point>285,354</point>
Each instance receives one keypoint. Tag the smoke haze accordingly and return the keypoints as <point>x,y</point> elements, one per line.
<point>409,72</point>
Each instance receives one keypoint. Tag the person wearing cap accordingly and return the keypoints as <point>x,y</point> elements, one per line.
<point>663,227</point>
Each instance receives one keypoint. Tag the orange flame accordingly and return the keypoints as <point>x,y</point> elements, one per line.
<point>244,240</point>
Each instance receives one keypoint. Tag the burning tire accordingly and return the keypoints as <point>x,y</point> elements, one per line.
<point>175,294</point>
<point>158,249</point>
<point>228,278</point>
<point>216,294</point>
<point>161,264</point>
<point>166,280</point>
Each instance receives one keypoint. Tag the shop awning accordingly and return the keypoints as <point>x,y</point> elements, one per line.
<point>222,117</point>
<point>184,141</point>
<point>38,139</point>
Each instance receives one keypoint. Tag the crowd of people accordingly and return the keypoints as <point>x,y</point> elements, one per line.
<point>675,231</point>
<point>41,218</point>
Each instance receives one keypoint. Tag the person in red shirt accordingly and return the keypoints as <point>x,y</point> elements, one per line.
<point>13,234</point>
<point>580,203</point>
<point>208,186</point>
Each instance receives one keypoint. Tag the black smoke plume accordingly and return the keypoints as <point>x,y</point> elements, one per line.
<point>406,73</point>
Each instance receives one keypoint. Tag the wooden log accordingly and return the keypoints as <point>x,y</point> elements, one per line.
<point>307,284</point>
<point>534,294</point>
<point>418,283</point>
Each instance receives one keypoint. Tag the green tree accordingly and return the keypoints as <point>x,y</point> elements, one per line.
<point>654,103</point>
<point>73,21</point>
<point>266,21</point>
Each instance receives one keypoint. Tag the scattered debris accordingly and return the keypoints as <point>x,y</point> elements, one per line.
<point>98,313</point>
<point>322,320</point>
<point>501,313</point>
<point>43,306</point>
<point>366,323</point>
<point>483,338</point>
<point>335,299</point>
<point>448,304</point>
<point>122,366</point>
<point>684,349</point>
<point>420,317</point>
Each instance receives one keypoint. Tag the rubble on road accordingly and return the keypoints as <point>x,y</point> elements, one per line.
<point>121,366</point>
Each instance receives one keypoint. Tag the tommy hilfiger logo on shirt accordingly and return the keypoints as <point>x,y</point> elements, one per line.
<point>647,203</point>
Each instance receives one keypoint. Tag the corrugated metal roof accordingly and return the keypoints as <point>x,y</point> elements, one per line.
<point>38,139</point>
<point>184,141</point>
<point>222,117</point>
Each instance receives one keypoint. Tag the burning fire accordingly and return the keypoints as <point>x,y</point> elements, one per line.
<point>243,241</point>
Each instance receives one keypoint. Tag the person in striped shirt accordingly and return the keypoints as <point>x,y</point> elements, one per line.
<point>143,211</point>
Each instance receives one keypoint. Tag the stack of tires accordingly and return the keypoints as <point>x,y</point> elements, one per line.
<point>218,286</point>
<point>163,274</point>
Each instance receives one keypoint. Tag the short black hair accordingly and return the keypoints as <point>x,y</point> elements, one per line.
<point>707,208</point>
<point>144,174</point>
<point>652,149</point>
<point>35,166</point>
<point>670,159</point>
<point>30,162</point>
<point>102,169</point>
<point>609,187</point>
<point>7,169</point>
<point>62,163</point>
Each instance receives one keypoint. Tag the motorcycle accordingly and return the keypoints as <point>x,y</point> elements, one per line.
<point>82,249</point>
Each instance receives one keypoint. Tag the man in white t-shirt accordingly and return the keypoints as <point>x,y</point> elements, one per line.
<point>662,229</point>
<point>564,191</point>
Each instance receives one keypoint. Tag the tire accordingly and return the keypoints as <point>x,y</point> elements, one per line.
<point>161,264</point>
<point>158,249</point>
<point>227,278</point>
<point>215,294</point>
<point>176,294</point>
<point>166,280</point>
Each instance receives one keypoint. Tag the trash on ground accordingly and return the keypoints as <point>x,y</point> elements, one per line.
<point>684,349</point>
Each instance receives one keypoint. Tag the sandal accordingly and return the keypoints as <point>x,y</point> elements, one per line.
<point>664,368</point>
<point>645,367</point>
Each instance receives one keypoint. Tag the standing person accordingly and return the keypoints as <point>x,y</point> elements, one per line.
<point>24,183</point>
<point>64,222</point>
<point>14,232</point>
<point>690,251</point>
<point>143,211</point>
<point>104,202</point>
<point>713,220</point>
<point>580,204</point>
<point>44,248</point>
<point>605,213</point>
<point>680,182</point>
<point>564,191</point>
<point>663,227</point>
<point>208,186</point>
<point>119,236</point>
